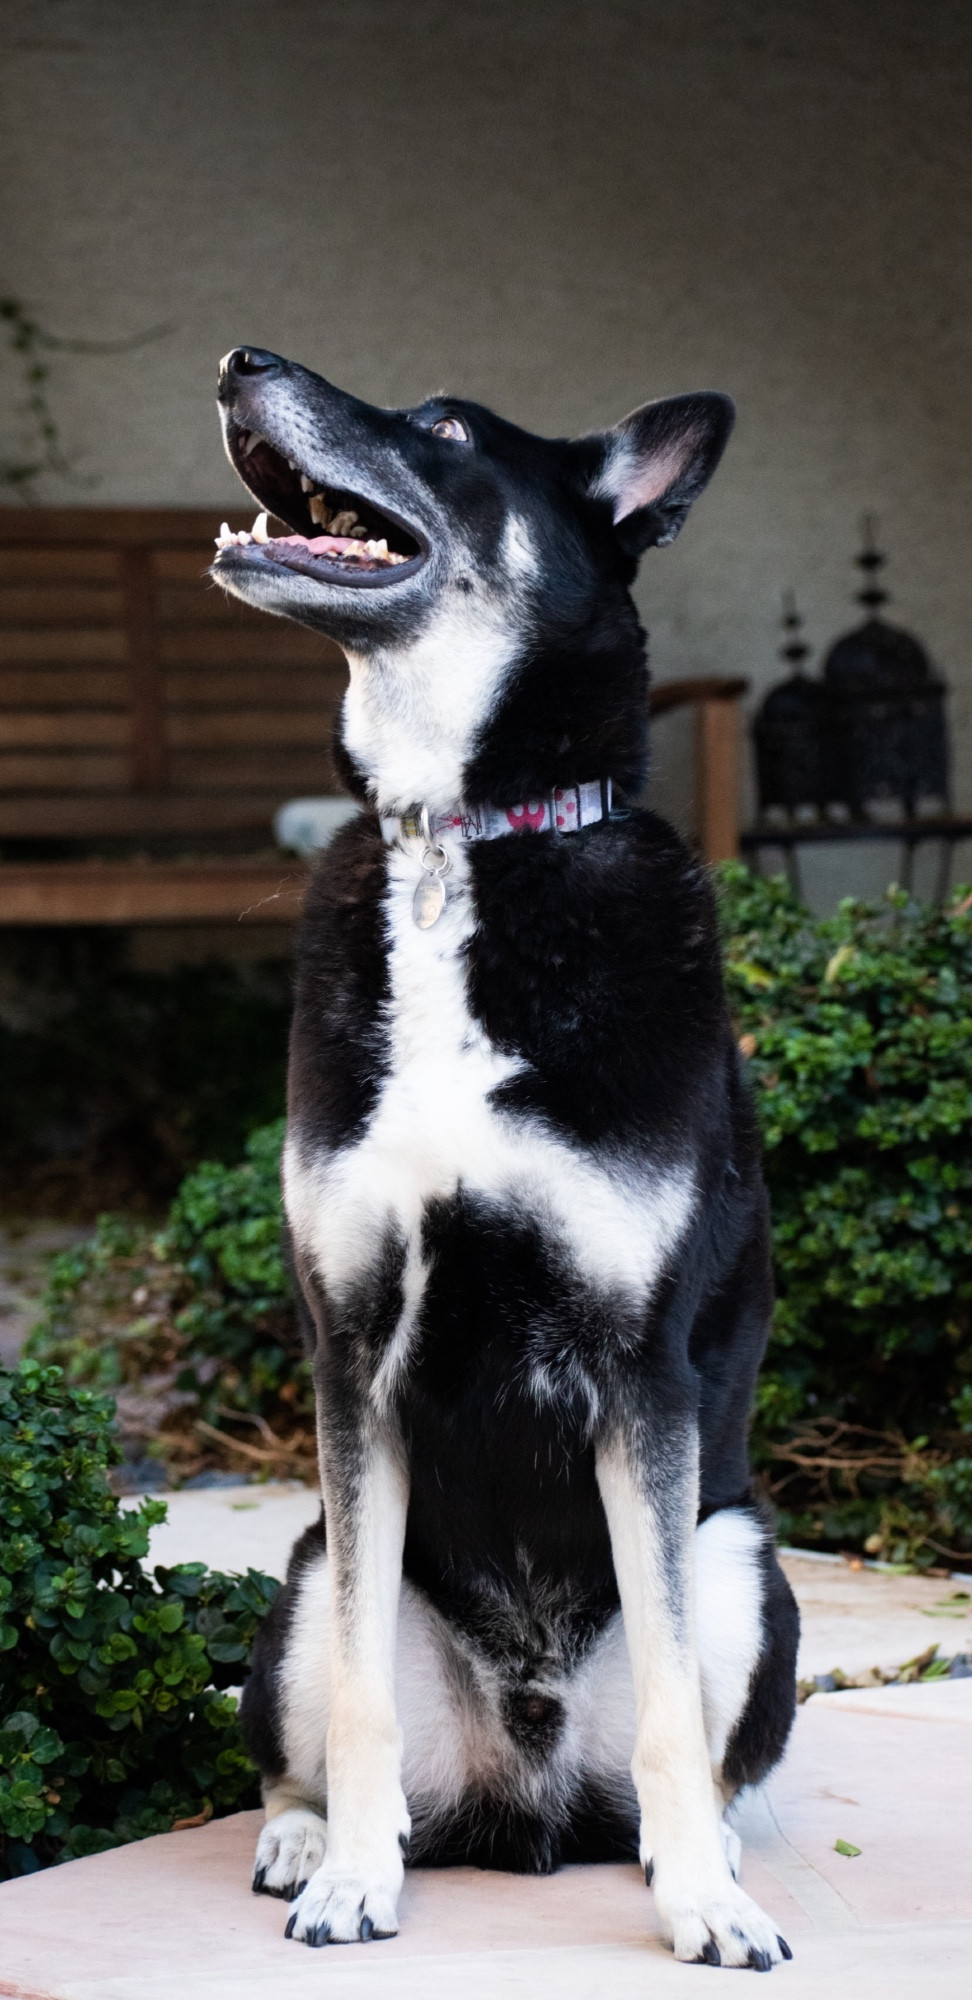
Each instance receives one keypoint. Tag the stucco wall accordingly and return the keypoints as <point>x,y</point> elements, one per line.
<point>560,209</point>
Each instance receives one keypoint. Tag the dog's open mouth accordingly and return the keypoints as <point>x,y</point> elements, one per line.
<point>338,536</point>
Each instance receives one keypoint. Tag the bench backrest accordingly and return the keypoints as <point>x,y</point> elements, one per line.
<point>135,698</point>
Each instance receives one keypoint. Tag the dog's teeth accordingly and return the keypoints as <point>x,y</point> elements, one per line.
<point>243,536</point>
<point>259,530</point>
<point>225,536</point>
<point>359,533</point>
<point>255,438</point>
<point>306,485</point>
<point>317,510</point>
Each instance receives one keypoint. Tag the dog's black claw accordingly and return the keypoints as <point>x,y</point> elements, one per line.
<point>367,1930</point>
<point>649,1873</point>
<point>291,1920</point>
<point>403,1844</point>
<point>784,1947</point>
<point>321,1935</point>
<point>259,1877</point>
<point>710,1954</point>
<point>297,1890</point>
<point>759,1961</point>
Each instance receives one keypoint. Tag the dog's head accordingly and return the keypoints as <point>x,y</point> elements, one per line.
<point>477,577</point>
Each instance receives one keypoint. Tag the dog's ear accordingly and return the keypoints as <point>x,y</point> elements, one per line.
<point>655,462</point>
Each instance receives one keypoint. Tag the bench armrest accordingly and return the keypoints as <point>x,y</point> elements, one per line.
<point>714,699</point>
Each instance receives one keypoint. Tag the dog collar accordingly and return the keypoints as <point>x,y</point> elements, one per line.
<point>565,810</point>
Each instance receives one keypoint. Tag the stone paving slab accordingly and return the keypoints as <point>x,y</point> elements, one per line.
<point>860,1618</point>
<point>174,1916</point>
<point>929,1701</point>
<point>233,1527</point>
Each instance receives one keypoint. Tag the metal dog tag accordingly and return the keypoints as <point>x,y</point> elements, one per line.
<point>428,901</point>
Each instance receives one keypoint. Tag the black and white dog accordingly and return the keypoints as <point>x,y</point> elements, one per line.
<point>523,1190</point>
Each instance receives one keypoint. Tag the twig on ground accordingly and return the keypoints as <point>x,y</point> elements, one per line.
<point>282,1449</point>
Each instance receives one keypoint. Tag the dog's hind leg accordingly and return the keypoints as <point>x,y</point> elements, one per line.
<point>748,1633</point>
<point>286,1712</point>
<point>648,1477</point>
<point>284,1723</point>
<point>747,1628</point>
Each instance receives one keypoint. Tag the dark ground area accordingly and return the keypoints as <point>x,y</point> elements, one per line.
<point>115,1083</point>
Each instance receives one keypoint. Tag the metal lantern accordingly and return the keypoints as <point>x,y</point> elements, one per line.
<point>790,730</point>
<point>886,708</point>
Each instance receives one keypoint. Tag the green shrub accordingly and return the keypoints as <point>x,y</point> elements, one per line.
<point>202,1311</point>
<point>112,1723</point>
<point>858,1033</point>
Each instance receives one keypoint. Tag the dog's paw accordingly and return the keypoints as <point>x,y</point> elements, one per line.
<point>340,1909</point>
<point>723,1927</point>
<point>289,1851</point>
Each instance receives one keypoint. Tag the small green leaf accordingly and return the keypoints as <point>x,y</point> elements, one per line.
<point>835,965</point>
<point>846,1847</point>
<point>754,975</point>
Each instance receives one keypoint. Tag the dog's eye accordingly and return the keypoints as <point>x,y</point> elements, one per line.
<point>450,427</point>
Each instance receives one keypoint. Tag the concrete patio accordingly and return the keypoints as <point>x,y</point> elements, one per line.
<point>885,1770</point>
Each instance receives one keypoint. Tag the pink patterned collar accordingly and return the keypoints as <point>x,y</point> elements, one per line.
<point>565,810</point>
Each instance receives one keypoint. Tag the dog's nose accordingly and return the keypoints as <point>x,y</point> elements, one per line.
<point>243,361</point>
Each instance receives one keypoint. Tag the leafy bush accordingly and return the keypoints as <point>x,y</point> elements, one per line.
<point>858,1035</point>
<point>193,1328</point>
<point>112,1723</point>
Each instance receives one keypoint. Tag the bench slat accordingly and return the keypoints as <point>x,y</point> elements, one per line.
<point>113,527</point>
<point>221,687</point>
<point>38,687</point>
<point>55,772</point>
<point>295,771</point>
<point>271,642</point>
<point>72,604</point>
<point>63,729</point>
<point>154,892</point>
<point>220,729</point>
<point>136,815</point>
<point>18,645</point>
<point>57,566</point>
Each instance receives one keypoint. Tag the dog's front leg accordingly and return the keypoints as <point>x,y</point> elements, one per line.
<point>354,1894</point>
<point>648,1479</point>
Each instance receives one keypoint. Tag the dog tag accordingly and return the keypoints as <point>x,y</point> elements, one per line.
<point>428,901</point>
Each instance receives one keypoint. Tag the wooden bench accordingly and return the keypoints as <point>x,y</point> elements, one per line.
<point>150,727</point>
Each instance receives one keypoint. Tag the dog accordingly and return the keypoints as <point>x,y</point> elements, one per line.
<point>541,1618</point>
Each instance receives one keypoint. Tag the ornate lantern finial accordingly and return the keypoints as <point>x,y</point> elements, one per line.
<point>871,561</point>
<point>794,647</point>
<point>788,729</point>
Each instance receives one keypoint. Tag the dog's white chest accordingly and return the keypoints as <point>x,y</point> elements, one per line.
<point>435,1130</point>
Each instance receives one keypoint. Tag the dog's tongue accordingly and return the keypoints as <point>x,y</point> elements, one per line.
<point>322,545</point>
